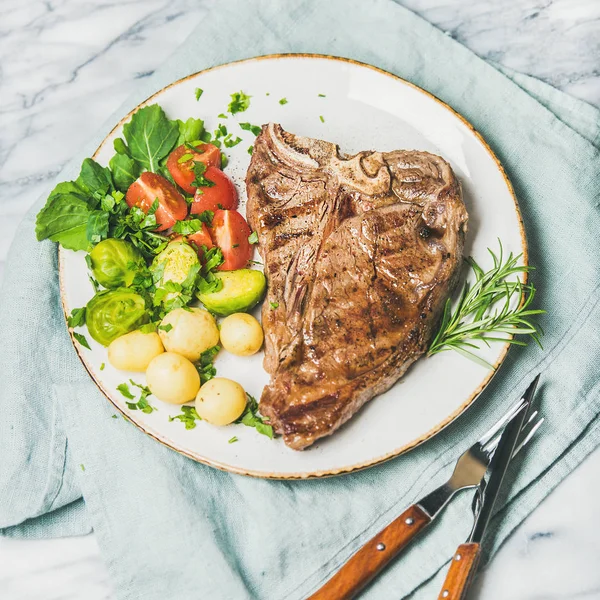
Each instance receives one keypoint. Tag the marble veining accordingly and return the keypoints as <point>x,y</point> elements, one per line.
<point>66,65</point>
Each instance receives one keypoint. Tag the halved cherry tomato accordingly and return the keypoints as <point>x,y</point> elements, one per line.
<point>183,172</point>
<point>198,239</point>
<point>221,196</point>
<point>149,187</point>
<point>230,232</point>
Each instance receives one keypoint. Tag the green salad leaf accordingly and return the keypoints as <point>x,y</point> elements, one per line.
<point>64,219</point>
<point>150,136</point>
<point>94,179</point>
<point>125,170</point>
<point>189,131</point>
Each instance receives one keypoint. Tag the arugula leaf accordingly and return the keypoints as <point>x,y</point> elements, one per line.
<point>252,418</point>
<point>94,179</point>
<point>77,318</point>
<point>150,136</point>
<point>82,340</point>
<point>189,131</point>
<point>97,226</point>
<point>188,417</point>
<point>120,146</point>
<point>125,171</point>
<point>255,129</point>
<point>239,102</point>
<point>64,219</point>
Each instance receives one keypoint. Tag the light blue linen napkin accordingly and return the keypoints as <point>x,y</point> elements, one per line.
<point>171,528</point>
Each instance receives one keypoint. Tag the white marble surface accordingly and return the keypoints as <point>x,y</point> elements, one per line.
<point>65,65</point>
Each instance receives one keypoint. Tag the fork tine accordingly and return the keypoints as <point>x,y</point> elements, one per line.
<point>512,411</point>
<point>491,446</point>
<point>528,437</point>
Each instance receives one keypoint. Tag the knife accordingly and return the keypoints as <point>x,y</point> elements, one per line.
<point>466,558</point>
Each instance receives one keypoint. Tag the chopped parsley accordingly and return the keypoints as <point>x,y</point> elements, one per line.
<point>283,101</point>
<point>321,95</point>
<point>230,142</point>
<point>149,327</point>
<point>274,305</point>
<point>82,467</point>
<point>124,389</point>
<point>233,440</point>
<point>224,161</point>
<point>188,417</point>
<point>77,318</point>
<point>81,339</point>
<point>223,116</point>
<point>102,366</point>
<point>192,226</point>
<point>206,368</point>
<point>321,119</point>
<point>252,418</point>
<point>142,404</point>
<point>198,92</point>
<point>253,238</point>
<point>199,179</point>
<point>239,103</point>
<point>250,150</point>
<point>166,328</point>
<point>185,157</point>
<point>115,417</point>
<point>255,129</point>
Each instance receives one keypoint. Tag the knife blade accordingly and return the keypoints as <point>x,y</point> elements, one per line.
<point>465,560</point>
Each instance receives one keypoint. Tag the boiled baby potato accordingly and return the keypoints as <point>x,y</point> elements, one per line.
<point>172,378</point>
<point>220,401</point>
<point>134,350</point>
<point>189,332</point>
<point>241,334</point>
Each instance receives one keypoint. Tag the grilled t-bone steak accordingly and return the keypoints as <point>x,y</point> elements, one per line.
<point>361,253</point>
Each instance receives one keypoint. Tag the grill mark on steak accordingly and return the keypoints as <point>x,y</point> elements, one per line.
<point>361,253</point>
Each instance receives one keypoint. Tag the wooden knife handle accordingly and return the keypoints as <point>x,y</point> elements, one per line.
<point>373,556</point>
<point>462,570</point>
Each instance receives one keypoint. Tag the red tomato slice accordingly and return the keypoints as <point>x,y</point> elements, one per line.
<point>230,232</point>
<point>147,188</point>
<point>221,196</point>
<point>182,172</point>
<point>198,239</point>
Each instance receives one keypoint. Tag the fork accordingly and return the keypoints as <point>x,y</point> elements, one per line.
<point>468,472</point>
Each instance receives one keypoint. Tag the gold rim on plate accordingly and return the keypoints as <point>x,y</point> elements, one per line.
<point>330,472</point>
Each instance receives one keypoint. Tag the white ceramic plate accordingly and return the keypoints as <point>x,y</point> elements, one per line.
<point>363,108</point>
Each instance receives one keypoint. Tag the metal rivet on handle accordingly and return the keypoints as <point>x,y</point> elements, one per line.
<point>445,594</point>
<point>380,546</point>
<point>409,521</point>
<point>457,557</point>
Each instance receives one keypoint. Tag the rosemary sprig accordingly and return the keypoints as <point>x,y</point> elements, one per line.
<point>486,309</point>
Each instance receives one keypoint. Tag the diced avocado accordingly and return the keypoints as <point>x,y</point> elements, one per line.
<point>242,289</point>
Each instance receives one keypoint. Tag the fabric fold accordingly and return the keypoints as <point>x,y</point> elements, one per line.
<point>172,528</point>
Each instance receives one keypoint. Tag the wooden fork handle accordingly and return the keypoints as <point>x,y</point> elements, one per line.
<point>373,556</point>
<point>462,570</point>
